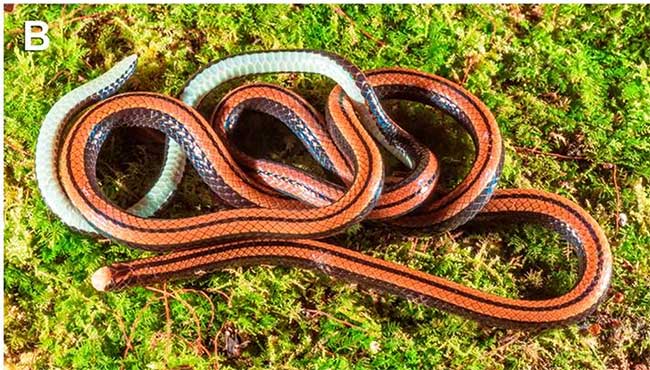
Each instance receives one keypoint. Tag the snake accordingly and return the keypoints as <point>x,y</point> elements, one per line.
<point>276,213</point>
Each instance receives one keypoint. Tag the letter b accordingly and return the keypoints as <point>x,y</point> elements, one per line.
<point>30,35</point>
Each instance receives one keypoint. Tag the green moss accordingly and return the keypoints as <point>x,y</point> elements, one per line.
<point>570,79</point>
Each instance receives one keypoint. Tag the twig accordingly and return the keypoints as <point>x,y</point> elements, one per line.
<point>122,326</point>
<point>192,312</point>
<point>136,320</point>
<point>168,323</point>
<point>62,20</point>
<point>215,343</point>
<point>555,8</point>
<point>207,298</point>
<point>16,147</point>
<point>505,342</point>
<point>608,165</point>
<point>343,14</point>
<point>520,149</point>
<point>118,182</point>
<point>617,191</point>
<point>57,75</point>
<point>453,236</point>
<point>343,322</point>
<point>472,60</point>
<point>212,315</point>
<point>222,294</point>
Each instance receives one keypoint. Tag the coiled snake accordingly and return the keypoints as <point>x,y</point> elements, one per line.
<point>277,212</point>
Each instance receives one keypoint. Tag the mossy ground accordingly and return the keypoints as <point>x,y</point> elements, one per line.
<point>571,80</point>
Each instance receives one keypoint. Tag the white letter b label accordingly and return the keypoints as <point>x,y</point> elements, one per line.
<point>31,34</point>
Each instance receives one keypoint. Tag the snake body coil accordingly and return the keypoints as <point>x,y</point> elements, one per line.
<point>276,211</point>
